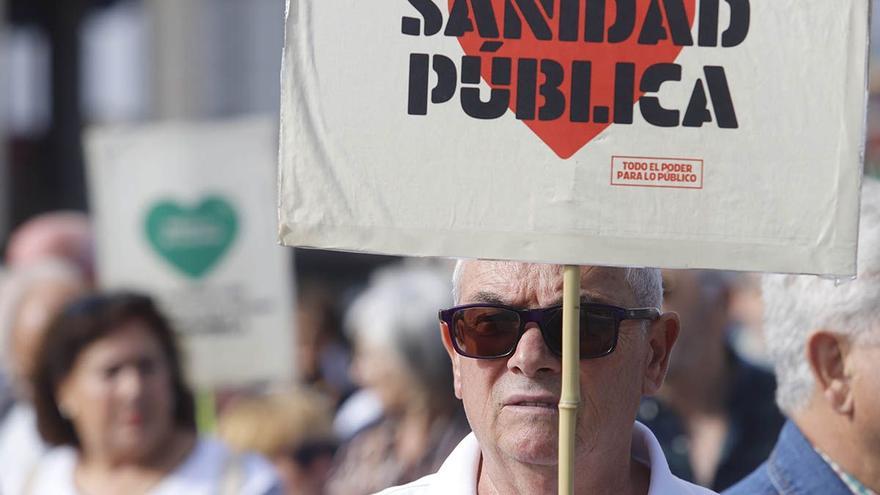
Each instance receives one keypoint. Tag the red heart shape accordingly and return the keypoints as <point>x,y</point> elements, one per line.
<point>562,135</point>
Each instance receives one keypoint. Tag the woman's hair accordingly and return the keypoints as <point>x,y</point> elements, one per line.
<point>293,423</point>
<point>82,323</point>
<point>398,312</point>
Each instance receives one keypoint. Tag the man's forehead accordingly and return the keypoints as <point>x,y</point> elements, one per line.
<point>531,284</point>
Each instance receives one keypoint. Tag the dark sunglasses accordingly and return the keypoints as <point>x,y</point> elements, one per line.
<point>490,331</point>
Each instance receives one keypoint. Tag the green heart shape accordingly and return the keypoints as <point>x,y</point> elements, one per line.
<point>192,240</point>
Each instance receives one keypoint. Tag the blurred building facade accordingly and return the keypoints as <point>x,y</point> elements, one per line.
<point>4,76</point>
<point>67,65</point>
<point>71,64</point>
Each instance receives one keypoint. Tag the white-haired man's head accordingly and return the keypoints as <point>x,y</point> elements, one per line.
<point>646,284</point>
<point>798,306</point>
<point>508,373</point>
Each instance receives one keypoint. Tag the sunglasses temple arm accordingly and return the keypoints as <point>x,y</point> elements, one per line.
<point>642,314</point>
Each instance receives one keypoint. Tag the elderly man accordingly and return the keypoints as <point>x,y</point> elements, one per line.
<point>504,341</point>
<point>824,338</point>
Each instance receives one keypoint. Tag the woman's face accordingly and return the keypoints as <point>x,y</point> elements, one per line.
<point>382,371</point>
<point>119,395</point>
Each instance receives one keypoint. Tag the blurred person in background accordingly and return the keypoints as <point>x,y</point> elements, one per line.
<point>324,360</point>
<point>400,357</point>
<point>292,429</point>
<point>824,338</point>
<point>58,234</point>
<point>109,392</point>
<point>715,416</point>
<point>31,296</point>
<point>63,234</point>
<point>747,308</point>
<point>7,394</point>
<point>322,354</point>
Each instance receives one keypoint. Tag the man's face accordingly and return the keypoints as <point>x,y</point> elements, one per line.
<point>511,403</point>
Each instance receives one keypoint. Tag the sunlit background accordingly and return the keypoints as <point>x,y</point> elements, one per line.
<point>69,64</point>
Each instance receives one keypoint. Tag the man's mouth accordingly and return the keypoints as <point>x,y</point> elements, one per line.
<point>543,402</point>
<point>547,405</point>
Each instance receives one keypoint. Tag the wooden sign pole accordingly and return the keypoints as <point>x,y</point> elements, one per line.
<point>570,399</point>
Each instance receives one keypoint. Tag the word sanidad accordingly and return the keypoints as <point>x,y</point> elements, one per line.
<point>536,85</point>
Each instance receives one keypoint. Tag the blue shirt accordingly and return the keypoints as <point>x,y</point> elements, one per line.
<point>794,468</point>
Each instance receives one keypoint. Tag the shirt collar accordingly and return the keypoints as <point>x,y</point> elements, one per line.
<point>795,467</point>
<point>854,485</point>
<point>459,472</point>
<point>646,449</point>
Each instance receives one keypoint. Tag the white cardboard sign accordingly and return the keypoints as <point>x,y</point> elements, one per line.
<point>185,212</point>
<point>674,133</point>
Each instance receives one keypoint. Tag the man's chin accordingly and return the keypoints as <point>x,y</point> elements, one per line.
<point>536,448</point>
<point>529,435</point>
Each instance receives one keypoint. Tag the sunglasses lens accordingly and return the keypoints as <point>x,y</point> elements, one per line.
<point>598,330</point>
<point>485,332</point>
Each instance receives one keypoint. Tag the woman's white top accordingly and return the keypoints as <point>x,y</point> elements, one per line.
<point>210,469</point>
<point>20,447</point>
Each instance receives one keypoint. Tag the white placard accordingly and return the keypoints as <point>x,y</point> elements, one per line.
<point>186,213</point>
<point>674,133</point>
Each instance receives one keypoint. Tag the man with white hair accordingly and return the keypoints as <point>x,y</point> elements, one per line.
<point>504,340</point>
<point>824,338</point>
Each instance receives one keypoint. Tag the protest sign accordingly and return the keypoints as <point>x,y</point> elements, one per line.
<point>185,212</point>
<point>674,133</point>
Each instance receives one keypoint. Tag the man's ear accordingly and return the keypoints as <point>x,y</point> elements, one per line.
<point>661,336</point>
<point>827,353</point>
<point>453,356</point>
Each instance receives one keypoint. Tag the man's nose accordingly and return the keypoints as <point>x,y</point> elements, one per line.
<point>532,356</point>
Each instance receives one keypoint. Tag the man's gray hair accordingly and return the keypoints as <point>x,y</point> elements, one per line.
<point>796,306</point>
<point>646,285</point>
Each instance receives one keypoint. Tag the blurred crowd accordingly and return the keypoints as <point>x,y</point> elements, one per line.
<point>94,397</point>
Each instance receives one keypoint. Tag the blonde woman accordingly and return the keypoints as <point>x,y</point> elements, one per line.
<point>293,430</point>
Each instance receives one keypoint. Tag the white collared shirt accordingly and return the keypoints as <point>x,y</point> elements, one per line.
<point>458,474</point>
